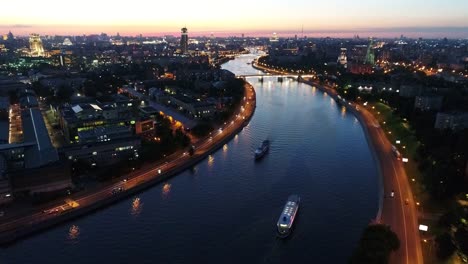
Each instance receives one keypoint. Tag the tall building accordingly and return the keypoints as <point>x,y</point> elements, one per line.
<point>274,38</point>
<point>184,41</point>
<point>370,56</point>
<point>67,42</point>
<point>35,45</point>
<point>8,36</point>
<point>343,58</point>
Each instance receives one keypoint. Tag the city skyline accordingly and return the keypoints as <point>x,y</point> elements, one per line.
<point>335,18</point>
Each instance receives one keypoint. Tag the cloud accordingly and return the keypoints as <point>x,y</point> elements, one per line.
<point>16,26</point>
<point>21,26</point>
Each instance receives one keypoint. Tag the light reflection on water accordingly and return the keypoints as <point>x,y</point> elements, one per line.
<point>210,160</point>
<point>73,233</point>
<point>166,189</point>
<point>343,111</point>
<point>137,207</point>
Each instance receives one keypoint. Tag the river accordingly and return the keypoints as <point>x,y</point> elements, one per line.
<point>225,210</point>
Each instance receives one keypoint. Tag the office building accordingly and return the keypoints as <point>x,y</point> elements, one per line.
<point>184,41</point>
<point>35,46</point>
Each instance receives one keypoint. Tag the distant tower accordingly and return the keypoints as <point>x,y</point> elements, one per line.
<point>274,38</point>
<point>184,41</point>
<point>343,59</point>
<point>35,45</point>
<point>67,42</point>
<point>370,56</point>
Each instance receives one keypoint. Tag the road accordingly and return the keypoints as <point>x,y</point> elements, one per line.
<point>400,215</point>
<point>396,212</point>
<point>25,219</point>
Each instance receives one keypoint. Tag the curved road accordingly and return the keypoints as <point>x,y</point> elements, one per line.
<point>400,215</point>
<point>395,212</point>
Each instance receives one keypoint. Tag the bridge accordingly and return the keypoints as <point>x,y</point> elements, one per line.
<point>266,75</point>
<point>274,75</point>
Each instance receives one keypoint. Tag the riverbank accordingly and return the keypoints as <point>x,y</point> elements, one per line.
<point>399,212</point>
<point>138,181</point>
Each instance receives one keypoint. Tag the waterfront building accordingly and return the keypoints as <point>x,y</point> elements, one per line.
<point>192,107</point>
<point>104,134</point>
<point>104,153</point>
<point>33,165</point>
<point>41,152</point>
<point>89,116</point>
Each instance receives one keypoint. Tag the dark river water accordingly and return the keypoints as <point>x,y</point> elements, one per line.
<point>225,210</point>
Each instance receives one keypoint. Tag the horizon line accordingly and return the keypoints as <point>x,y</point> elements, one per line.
<point>458,32</point>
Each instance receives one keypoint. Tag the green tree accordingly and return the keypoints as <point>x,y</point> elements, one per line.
<point>375,245</point>
<point>64,93</point>
<point>461,236</point>
<point>445,246</point>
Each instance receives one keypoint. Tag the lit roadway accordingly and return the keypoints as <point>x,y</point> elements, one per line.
<point>396,212</point>
<point>86,198</point>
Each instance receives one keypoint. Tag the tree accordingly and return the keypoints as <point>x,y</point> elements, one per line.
<point>41,90</point>
<point>64,93</point>
<point>461,236</point>
<point>202,129</point>
<point>89,88</point>
<point>445,246</point>
<point>375,245</point>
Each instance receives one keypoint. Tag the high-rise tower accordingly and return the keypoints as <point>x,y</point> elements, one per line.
<point>35,45</point>
<point>184,41</point>
<point>343,58</point>
<point>370,56</point>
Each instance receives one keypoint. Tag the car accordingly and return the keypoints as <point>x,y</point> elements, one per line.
<point>117,190</point>
<point>406,201</point>
<point>125,180</point>
<point>2,213</point>
<point>392,194</point>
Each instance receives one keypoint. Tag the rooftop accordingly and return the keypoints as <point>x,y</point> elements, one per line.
<point>35,131</point>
